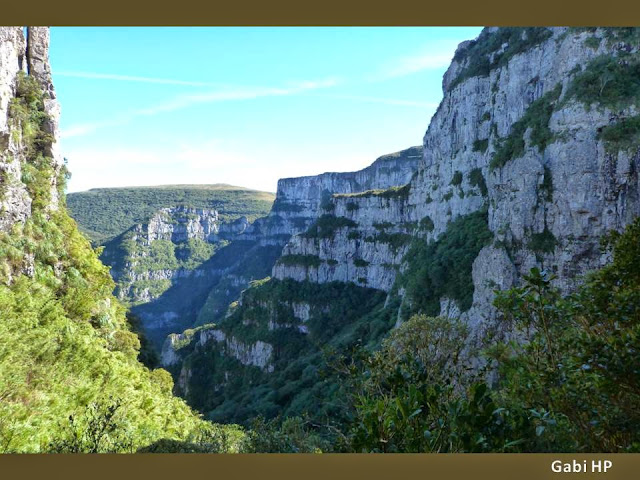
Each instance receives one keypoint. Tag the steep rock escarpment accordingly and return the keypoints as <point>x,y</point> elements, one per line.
<point>299,201</point>
<point>21,57</point>
<point>530,158</point>
<point>184,266</point>
<point>521,133</point>
<point>166,267</point>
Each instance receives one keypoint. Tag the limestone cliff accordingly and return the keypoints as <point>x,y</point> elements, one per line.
<point>532,155</point>
<point>19,56</point>
<point>519,133</point>
<point>300,200</point>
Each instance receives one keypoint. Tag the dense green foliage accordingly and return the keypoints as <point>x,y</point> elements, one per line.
<point>569,383</point>
<point>327,225</point>
<point>395,240</point>
<point>104,213</point>
<point>622,135</point>
<point>456,179</point>
<point>416,394</point>
<point>476,179</point>
<point>481,145</point>
<point>607,81</point>
<point>479,51</point>
<point>580,360</point>
<point>340,317</point>
<point>544,241</point>
<point>443,268</point>
<point>69,375</point>
<point>302,260</point>
<point>535,118</point>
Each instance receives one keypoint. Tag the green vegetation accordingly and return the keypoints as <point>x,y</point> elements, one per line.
<point>621,135</point>
<point>547,185</point>
<point>569,384</point>
<point>382,225</point>
<point>607,81</point>
<point>426,224</point>
<point>592,42</point>
<point>476,179</point>
<point>456,179</point>
<point>302,260</point>
<point>104,213</point>
<point>395,240</point>
<point>327,225</point>
<point>442,268</point>
<point>280,205</point>
<point>342,315</point>
<point>359,262</point>
<point>478,53</point>
<point>70,380</point>
<point>544,242</point>
<point>389,193</point>
<point>481,145</point>
<point>537,119</point>
<point>486,116</point>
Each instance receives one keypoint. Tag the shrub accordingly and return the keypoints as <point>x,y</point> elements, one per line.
<point>442,268</point>
<point>477,54</point>
<point>456,179</point>
<point>476,179</point>
<point>359,262</point>
<point>537,119</point>
<point>592,42</point>
<point>303,260</point>
<point>327,225</point>
<point>544,242</point>
<point>481,145</point>
<point>607,81</point>
<point>426,224</point>
<point>621,135</point>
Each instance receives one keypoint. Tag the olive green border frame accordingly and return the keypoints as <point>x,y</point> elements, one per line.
<point>321,12</point>
<point>312,467</point>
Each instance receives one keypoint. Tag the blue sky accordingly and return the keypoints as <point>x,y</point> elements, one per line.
<point>245,106</point>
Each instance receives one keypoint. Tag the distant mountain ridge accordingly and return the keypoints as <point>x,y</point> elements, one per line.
<point>104,213</point>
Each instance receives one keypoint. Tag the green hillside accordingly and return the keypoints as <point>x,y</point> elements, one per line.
<point>104,213</point>
<point>70,379</point>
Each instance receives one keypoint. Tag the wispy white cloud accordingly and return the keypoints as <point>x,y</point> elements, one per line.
<point>131,78</point>
<point>433,56</point>
<point>219,95</point>
<point>386,101</point>
<point>238,93</point>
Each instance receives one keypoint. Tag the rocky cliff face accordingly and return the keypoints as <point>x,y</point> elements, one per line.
<point>299,201</point>
<point>166,266</point>
<point>171,245</point>
<point>21,57</point>
<point>518,133</point>
<point>532,155</point>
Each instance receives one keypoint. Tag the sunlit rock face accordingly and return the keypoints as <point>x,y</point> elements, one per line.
<point>547,207</point>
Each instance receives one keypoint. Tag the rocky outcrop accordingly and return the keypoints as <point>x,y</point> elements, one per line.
<point>300,200</point>
<point>548,205</point>
<point>524,165</point>
<point>257,354</point>
<point>22,61</point>
<point>32,58</point>
<point>160,249</point>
